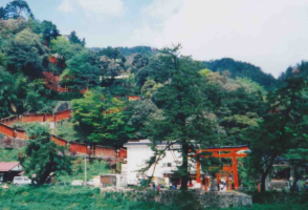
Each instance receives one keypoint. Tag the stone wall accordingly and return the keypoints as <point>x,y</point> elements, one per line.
<point>195,199</point>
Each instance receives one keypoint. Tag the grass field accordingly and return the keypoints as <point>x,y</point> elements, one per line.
<point>94,168</point>
<point>276,206</point>
<point>61,197</point>
<point>67,197</point>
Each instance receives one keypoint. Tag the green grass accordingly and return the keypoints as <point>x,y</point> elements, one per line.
<point>277,200</point>
<point>94,168</point>
<point>62,197</point>
<point>77,198</point>
<point>277,206</point>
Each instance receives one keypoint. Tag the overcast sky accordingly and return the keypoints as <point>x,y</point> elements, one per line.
<point>272,34</point>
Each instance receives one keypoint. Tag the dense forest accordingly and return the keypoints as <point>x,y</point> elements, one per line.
<point>197,103</point>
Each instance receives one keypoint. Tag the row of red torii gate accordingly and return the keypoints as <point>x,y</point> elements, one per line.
<point>229,171</point>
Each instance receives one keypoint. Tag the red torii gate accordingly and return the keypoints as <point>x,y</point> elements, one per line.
<point>224,152</point>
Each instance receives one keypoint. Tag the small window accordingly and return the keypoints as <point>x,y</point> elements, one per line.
<point>169,165</point>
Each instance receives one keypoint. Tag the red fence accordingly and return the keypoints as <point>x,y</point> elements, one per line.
<point>105,152</point>
<point>75,148</point>
<point>58,141</point>
<point>7,131</point>
<point>13,133</point>
<point>96,151</point>
<point>59,116</point>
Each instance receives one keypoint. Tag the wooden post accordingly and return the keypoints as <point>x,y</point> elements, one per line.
<point>235,171</point>
<point>198,166</point>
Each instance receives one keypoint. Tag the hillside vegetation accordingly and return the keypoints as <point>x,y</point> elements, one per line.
<point>120,94</point>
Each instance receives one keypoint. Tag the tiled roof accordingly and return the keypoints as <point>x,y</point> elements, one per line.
<point>7,166</point>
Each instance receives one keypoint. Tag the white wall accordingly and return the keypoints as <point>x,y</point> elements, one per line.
<point>139,154</point>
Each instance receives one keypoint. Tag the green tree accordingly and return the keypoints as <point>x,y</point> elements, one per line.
<point>242,69</point>
<point>26,54</point>
<point>74,39</point>
<point>111,64</point>
<point>16,9</point>
<point>283,127</point>
<point>42,158</point>
<point>82,71</point>
<point>184,107</point>
<point>64,47</point>
<point>237,105</point>
<point>159,69</point>
<point>297,159</point>
<point>19,95</point>
<point>49,31</point>
<point>101,119</point>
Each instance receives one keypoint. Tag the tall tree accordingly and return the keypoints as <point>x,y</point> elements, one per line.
<point>16,9</point>
<point>101,119</point>
<point>111,64</point>
<point>43,158</point>
<point>49,31</point>
<point>25,53</point>
<point>74,39</point>
<point>284,126</point>
<point>184,108</point>
<point>82,71</point>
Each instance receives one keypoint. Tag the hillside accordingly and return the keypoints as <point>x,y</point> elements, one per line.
<point>242,69</point>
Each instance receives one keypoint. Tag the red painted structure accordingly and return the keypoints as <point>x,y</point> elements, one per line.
<point>74,147</point>
<point>225,152</point>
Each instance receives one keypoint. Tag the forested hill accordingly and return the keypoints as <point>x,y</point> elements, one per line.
<point>242,69</point>
<point>144,50</point>
<point>235,68</point>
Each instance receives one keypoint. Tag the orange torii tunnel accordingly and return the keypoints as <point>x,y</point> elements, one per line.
<point>232,152</point>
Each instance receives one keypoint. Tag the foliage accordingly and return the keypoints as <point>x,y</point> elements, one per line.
<point>144,50</point>
<point>9,154</point>
<point>159,69</point>
<point>18,95</point>
<point>66,130</point>
<point>16,9</point>
<point>94,168</point>
<point>25,54</point>
<point>101,119</point>
<point>64,48</point>
<point>49,31</point>
<point>111,64</point>
<point>74,39</point>
<point>82,71</point>
<point>181,122</point>
<point>237,105</point>
<point>283,126</point>
<point>242,69</point>
<point>141,114</point>
<point>42,158</point>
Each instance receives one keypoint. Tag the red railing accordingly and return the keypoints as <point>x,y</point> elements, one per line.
<point>75,148</point>
<point>59,116</point>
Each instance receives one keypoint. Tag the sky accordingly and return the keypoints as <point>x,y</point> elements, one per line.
<point>272,34</point>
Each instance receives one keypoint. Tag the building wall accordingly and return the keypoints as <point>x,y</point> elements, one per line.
<point>137,157</point>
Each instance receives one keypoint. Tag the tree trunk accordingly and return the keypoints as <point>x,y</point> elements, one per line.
<point>265,174</point>
<point>184,167</point>
<point>263,182</point>
<point>295,178</point>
